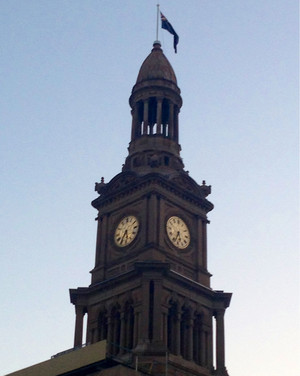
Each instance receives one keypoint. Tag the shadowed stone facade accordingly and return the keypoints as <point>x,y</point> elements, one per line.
<point>151,298</point>
<point>150,307</point>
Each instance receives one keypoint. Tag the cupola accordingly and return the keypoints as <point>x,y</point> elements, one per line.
<point>155,102</point>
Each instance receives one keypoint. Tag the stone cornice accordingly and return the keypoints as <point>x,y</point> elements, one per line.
<point>127,183</point>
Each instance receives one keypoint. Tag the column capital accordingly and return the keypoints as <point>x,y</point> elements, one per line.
<point>80,309</point>
<point>219,312</point>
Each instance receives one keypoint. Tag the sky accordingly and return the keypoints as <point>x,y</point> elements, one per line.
<point>67,70</point>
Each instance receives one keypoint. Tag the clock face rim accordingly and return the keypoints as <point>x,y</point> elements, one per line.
<point>171,237</point>
<point>123,228</point>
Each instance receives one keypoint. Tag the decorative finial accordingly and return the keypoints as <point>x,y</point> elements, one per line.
<point>206,189</point>
<point>100,186</point>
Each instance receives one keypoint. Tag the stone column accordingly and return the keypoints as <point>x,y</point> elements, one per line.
<point>177,333</point>
<point>99,273</point>
<point>158,115</point>
<point>152,206</point>
<point>116,333</point>
<point>136,327</point>
<point>176,112</point>
<point>90,332</point>
<point>204,245</point>
<point>96,336</point>
<point>190,339</point>
<point>109,333</point>
<point>209,349</point>
<point>122,333</point>
<point>171,121</point>
<point>78,326</point>
<point>134,123</point>
<point>203,349</point>
<point>157,313</point>
<point>200,247</point>
<point>145,117</point>
<point>144,317</point>
<point>220,341</point>
<point>165,326</point>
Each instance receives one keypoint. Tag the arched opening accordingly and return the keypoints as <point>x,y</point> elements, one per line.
<point>152,115</point>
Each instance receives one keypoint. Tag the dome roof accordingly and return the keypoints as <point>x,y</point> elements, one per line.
<point>156,66</point>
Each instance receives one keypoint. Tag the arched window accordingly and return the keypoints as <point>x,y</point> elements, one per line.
<point>152,114</point>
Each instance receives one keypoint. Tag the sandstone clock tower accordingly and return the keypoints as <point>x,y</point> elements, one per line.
<point>150,294</point>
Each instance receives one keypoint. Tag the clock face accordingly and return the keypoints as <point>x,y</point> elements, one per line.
<point>178,232</point>
<point>126,231</point>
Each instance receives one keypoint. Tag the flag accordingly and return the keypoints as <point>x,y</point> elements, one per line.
<point>165,24</point>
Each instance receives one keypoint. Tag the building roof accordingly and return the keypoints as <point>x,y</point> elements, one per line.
<point>156,66</point>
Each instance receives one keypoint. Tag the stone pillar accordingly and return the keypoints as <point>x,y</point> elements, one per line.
<point>144,317</point>
<point>96,335</point>
<point>204,245</point>
<point>171,121</point>
<point>116,333</point>
<point>158,115</point>
<point>90,331</point>
<point>109,333</point>
<point>177,333</point>
<point>165,326</point>
<point>129,329</point>
<point>157,313</point>
<point>203,347</point>
<point>99,273</point>
<point>152,206</point>
<point>209,350</point>
<point>134,124</point>
<point>190,342</point>
<point>122,333</point>
<point>136,327</point>
<point>145,116</point>
<point>176,112</point>
<point>200,247</point>
<point>78,325</point>
<point>220,342</point>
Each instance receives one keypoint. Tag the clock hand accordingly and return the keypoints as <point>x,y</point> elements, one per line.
<point>125,233</point>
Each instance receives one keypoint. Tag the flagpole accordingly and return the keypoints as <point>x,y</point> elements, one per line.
<point>157,20</point>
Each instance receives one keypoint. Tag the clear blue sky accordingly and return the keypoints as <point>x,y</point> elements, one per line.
<point>67,70</point>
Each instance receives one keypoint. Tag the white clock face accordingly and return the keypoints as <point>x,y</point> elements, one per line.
<point>178,232</point>
<point>126,231</point>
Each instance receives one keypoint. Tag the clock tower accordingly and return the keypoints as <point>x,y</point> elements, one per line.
<point>150,296</point>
